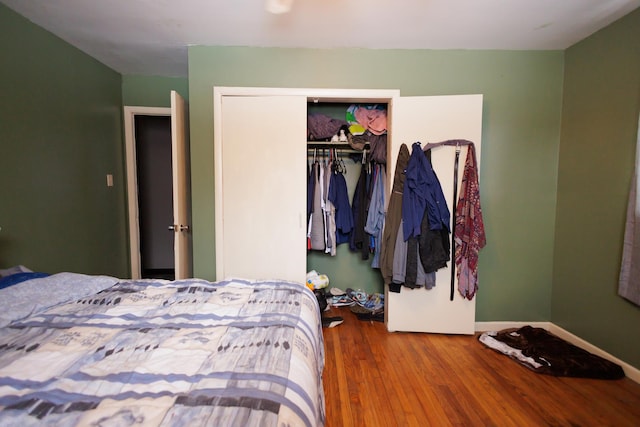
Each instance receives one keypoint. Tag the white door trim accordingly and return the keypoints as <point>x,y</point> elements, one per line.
<point>132,181</point>
<point>312,94</point>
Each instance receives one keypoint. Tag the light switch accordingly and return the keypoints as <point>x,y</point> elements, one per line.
<point>109,180</point>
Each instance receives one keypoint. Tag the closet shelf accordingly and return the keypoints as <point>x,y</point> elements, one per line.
<point>330,144</point>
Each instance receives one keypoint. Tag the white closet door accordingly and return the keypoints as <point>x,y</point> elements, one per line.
<point>263,197</point>
<point>435,119</point>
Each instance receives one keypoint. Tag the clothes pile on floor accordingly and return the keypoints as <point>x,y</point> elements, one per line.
<point>364,306</point>
<point>545,353</point>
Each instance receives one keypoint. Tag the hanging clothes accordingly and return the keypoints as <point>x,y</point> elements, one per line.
<point>469,228</point>
<point>420,253</point>
<point>316,233</point>
<point>399,272</point>
<point>329,213</point>
<point>310,196</point>
<point>360,204</point>
<point>375,216</point>
<point>415,275</point>
<point>338,196</point>
<point>629,280</point>
<point>469,235</point>
<point>422,191</point>
<point>377,145</point>
<point>393,217</point>
<point>434,246</point>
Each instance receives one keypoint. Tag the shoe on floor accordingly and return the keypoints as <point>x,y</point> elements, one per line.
<point>336,292</point>
<point>330,322</point>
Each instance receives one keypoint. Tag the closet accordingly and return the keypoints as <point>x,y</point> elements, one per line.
<point>260,156</point>
<point>348,262</point>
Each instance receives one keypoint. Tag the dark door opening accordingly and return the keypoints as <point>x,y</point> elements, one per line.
<point>155,196</point>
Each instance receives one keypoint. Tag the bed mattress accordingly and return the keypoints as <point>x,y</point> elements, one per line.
<point>182,353</point>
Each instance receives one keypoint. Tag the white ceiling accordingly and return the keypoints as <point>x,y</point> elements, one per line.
<point>150,37</point>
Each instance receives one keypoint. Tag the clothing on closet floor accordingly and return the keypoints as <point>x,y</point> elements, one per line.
<point>422,191</point>
<point>469,228</point>
<point>394,216</point>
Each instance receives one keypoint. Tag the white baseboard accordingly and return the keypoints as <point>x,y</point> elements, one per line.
<point>631,372</point>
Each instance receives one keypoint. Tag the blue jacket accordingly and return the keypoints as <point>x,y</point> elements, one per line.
<point>422,191</point>
<point>339,196</point>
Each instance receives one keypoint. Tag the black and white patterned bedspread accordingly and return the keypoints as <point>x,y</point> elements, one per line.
<point>183,353</point>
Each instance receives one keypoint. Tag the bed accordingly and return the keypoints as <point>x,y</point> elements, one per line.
<point>96,350</point>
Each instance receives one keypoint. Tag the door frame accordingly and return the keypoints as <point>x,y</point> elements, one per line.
<point>130,112</point>
<point>312,95</point>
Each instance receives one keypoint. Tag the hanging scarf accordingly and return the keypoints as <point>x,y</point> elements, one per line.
<point>469,228</point>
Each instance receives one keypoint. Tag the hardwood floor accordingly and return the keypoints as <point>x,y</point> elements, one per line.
<point>376,378</point>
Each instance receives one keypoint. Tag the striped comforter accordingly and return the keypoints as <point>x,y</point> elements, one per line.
<point>183,353</point>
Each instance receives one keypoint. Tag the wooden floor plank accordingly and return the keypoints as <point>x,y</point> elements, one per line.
<point>376,378</point>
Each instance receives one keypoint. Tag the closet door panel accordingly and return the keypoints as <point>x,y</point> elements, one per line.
<point>435,119</point>
<point>263,188</point>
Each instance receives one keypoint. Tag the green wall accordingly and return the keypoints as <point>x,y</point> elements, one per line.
<point>60,134</point>
<point>521,127</point>
<point>597,151</point>
<point>152,91</point>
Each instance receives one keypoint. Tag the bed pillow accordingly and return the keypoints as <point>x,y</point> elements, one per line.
<point>35,295</point>
<point>14,279</point>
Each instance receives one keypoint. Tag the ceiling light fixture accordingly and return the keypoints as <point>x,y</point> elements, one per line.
<point>278,7</point>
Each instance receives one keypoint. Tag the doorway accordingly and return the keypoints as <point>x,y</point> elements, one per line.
<point>179,169</point>
<point>155,198</point>
<point>131,114</point>
<point>179,225</point>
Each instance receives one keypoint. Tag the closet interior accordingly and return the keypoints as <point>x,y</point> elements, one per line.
<point>349,156</point>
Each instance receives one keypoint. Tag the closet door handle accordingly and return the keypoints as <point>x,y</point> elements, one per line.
<point>172,227</point>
